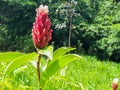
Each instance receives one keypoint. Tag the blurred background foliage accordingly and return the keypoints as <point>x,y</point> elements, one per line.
<point>95,25</point>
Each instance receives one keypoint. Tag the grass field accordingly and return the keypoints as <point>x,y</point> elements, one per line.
<point>86,74</point>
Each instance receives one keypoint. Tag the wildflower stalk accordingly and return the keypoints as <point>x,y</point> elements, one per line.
<point>41,34</point>
<point>38,70</point>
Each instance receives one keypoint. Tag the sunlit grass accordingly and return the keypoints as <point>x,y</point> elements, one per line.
<point>87,74</point>
<point>93,74</point>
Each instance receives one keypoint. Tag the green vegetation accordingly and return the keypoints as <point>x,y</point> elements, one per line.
<point>95,31</point>
<point>90,26</point>
<point>88,73</point>
<point>116,27</point>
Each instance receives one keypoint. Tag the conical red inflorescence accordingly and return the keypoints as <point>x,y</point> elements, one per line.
<point>115,84</point>
<point>41,32</point>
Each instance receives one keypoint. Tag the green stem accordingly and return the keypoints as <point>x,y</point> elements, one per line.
<point>38,71</point>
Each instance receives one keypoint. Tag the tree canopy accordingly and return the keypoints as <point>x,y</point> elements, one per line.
<point>95,25</point>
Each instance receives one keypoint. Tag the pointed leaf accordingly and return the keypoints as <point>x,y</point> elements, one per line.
<point>9,56</point>
<point>58,65</point>
<point>66,59</point>
<point>61,51</point>
<point>18,62</point>
<point>47,51</point>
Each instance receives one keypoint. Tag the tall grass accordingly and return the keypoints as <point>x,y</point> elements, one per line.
<point>86,74</point>
<point>93,74</point>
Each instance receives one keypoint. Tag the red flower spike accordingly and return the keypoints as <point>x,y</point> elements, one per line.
<point>41,32</point>
<point>115,84</point>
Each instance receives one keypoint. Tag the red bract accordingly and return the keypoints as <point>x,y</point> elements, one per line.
<point>41,32</point>
<point>115,84</point>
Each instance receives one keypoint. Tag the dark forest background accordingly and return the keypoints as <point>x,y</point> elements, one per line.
<point>95,25</point>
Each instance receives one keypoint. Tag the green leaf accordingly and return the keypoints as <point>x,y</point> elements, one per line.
<point>47,51</point>
<point>66,59</point>
<point>9,56</point>
<point>58,65</point>
<point>18,62</point>
<point>61,51</point>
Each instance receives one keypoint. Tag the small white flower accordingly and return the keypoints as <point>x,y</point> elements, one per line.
<point>40,7</point>
<point>43,8</point>
<point>46,9</point>
<point>115,80</point>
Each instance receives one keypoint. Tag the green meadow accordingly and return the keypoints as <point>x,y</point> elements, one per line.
<point>86,74</point>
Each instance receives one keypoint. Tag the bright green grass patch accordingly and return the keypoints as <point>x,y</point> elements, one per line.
<point>89,74</point>
<point>116,27</point>
<point>8,56</point>
<point>93,74</point>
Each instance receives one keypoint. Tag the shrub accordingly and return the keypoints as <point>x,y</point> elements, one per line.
<point>108,44</point>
